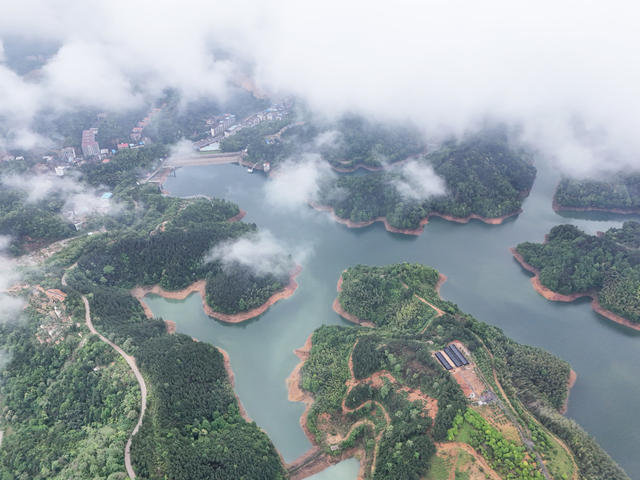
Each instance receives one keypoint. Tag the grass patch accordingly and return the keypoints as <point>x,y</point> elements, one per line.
<point>464,433</point>
<point>439,469</point>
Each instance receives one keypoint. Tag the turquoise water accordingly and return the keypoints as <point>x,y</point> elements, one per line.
<point>483,279</point>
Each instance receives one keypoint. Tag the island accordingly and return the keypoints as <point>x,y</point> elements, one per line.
<point>571,264</point>
<point>620,194</point>
<point>418,394</point>
<point>485,179</point>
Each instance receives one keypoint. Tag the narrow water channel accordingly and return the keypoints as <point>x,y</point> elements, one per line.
<point>483,279</point>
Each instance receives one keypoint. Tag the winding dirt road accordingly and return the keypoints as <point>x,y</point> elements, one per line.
<point>131,361</point>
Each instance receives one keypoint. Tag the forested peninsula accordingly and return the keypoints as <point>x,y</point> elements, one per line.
<point>621,194</point>
<point>380,393</point>
<point>70,402</point>
<point>485,178</point>
<point>606,267</point>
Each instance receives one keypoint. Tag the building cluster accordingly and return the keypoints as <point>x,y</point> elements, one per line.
<point>225,125</point>
<point>278,111</point>
<point>221,123</point>
<point>89,145</point>
<point>136,132</point>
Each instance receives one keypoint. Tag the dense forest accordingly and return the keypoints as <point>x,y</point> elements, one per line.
<point>31,224</point>
<point>622,192</point>
<point>391,296</point>
<point>378,416</point>
<point>123,166</point>
<point>68,406</point>
<point>608,265</point>
<point>358,141</point>
<point>483,176</point>
<point>193,429</point>
<point>167,246</point>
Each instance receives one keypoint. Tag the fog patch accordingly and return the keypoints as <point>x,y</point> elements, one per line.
<point>10,305</point>
<point>419,181</point>
<point>298,182</point>
<point>261,252</point>
<point>180,150</point>
<point>79,199</point>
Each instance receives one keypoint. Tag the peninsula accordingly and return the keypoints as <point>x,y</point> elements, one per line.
<point>378,393</point>
<point>571,264</point>
<point>486,179</point>
<point>619,194</point>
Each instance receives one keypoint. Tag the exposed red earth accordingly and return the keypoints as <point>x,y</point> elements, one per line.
<point>410,231</point>
<point>199,287</point>
<point>559,297</point>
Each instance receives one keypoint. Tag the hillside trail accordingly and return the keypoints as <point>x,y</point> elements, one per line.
<point>131,361</point>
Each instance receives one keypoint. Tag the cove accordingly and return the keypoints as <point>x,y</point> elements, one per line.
<point>483,279</point>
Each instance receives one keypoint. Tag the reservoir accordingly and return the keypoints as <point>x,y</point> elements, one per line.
<point>483,279</point>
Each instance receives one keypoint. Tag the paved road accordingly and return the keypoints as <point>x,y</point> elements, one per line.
<point>143,387</point>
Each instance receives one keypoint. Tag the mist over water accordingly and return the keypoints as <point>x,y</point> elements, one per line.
<point>483,279</point>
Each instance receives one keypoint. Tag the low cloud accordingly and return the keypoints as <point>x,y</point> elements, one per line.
<point>79,199</point>
<point>261,252</point>
<point>180,150</point>
<point>447,66</point>
<point>329,138</point>
<point>298,182</point>
<point>10,305</point>
<point>419,182</point>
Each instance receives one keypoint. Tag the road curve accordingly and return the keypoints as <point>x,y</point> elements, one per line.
<point>143,387</point>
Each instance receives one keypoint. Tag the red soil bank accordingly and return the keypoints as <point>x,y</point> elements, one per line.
<point>199,287</point>
<point>409,231</point>
<point>559,297</point>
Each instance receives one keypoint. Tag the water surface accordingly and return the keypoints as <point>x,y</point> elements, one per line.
<point>483,279</point>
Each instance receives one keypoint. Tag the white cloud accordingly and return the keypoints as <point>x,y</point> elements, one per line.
<point>297,182</point>
<point>180,150</point>
<point>10,305</point>
<point>447,65</point>
<point>79,199</point>
<point>261,252</point>
<point>419,182</point>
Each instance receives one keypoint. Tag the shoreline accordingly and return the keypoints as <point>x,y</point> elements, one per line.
<point>314,460</point>
<point>559,297</point>
<point>343,313</point>
<point>411,231</point>
<point>232,382</point>
<point>571,381</point>
<point>442,278</point>
<point>563,208</point>
<point>199,287</point>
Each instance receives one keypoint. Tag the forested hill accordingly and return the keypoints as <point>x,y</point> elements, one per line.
<point>353,141</point>
<point>31,224</point>
<point>571,261</point>
<point>621,193</point>
<point>71,402</point>
<point>168,245</point>
<point>382,391</point>
<point>483,176</point>
<point>393,296</point>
